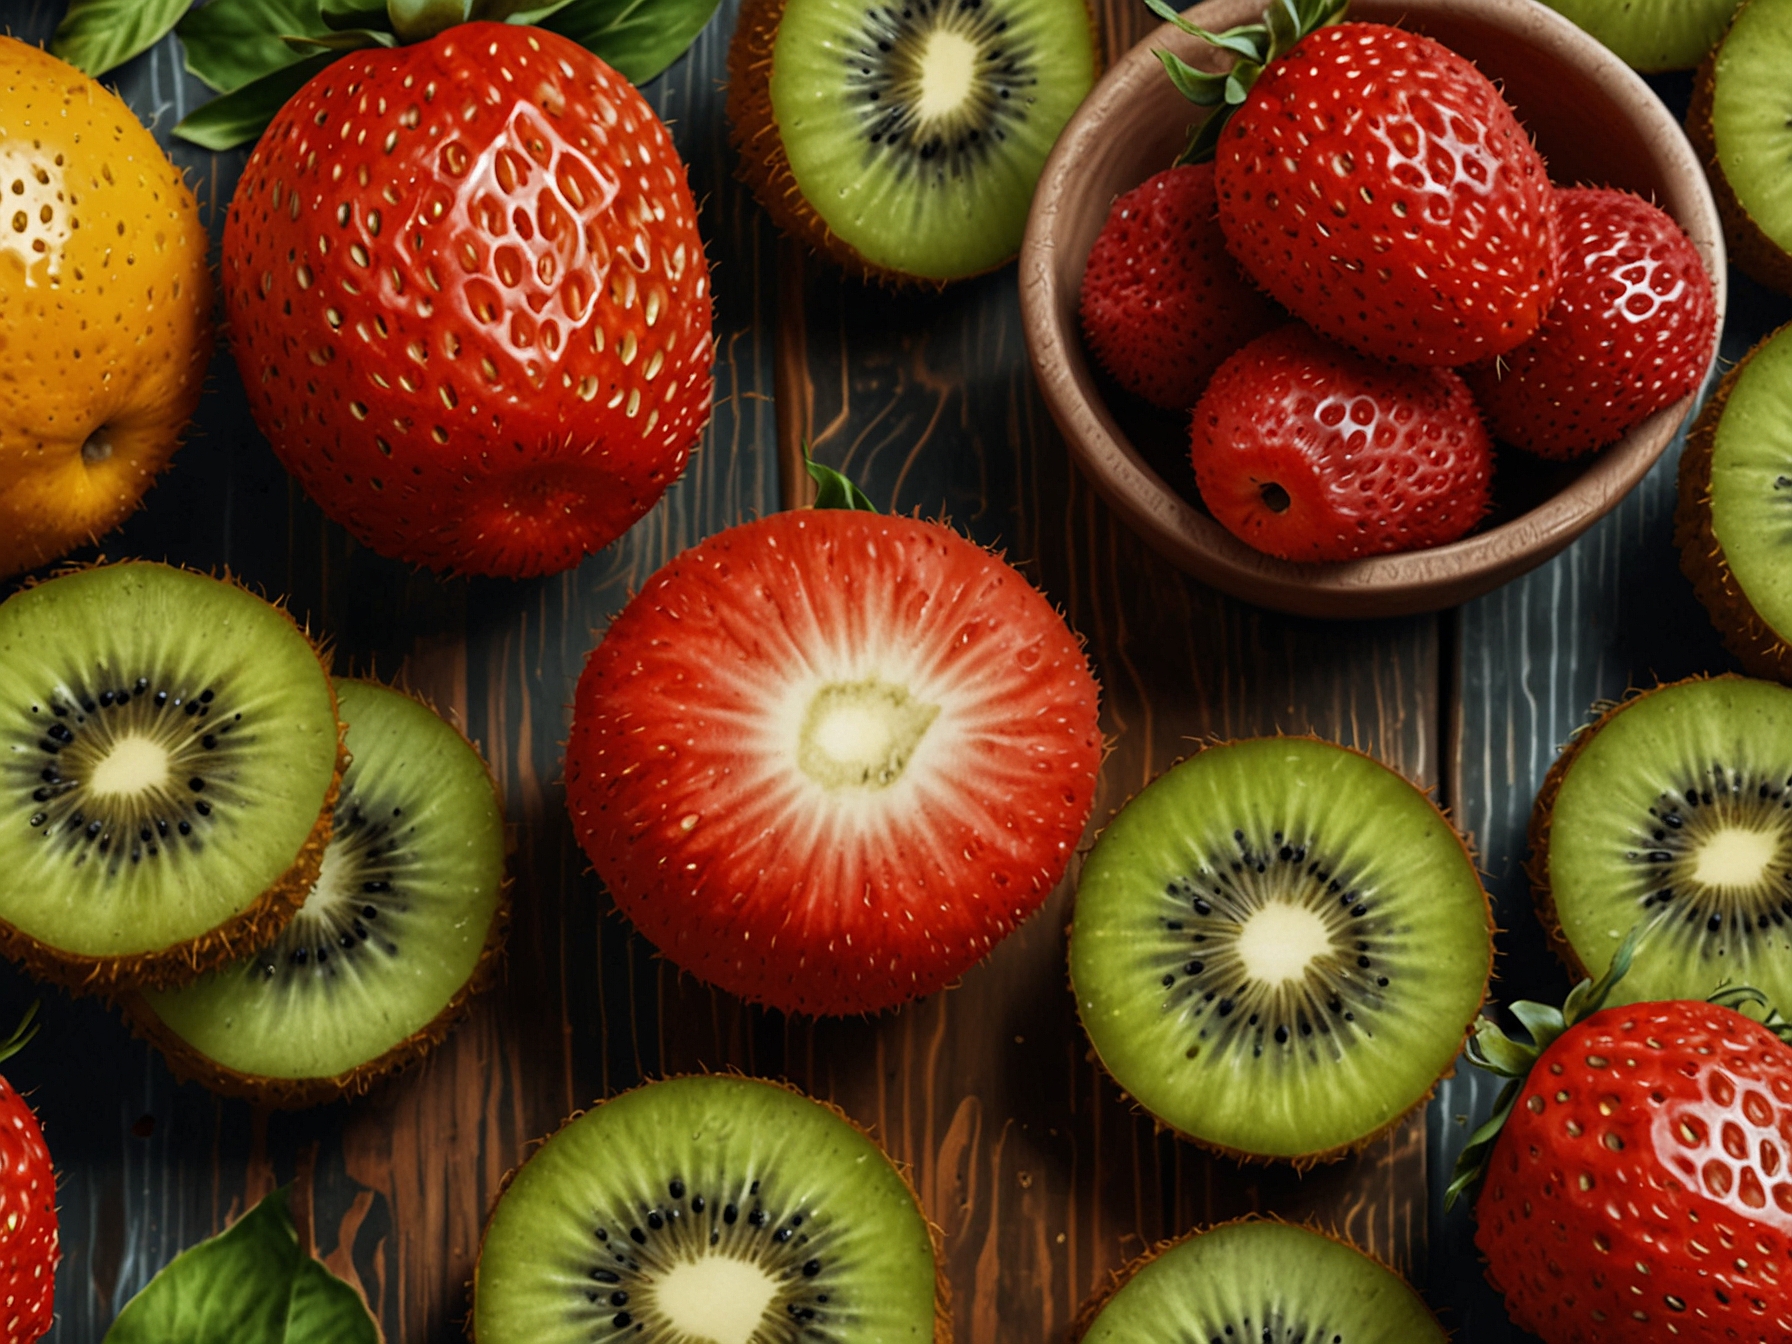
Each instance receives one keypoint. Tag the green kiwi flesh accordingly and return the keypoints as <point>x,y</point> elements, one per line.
<point>1262,1283</point>
<point>1675,810</point>
<point>378,962</point>
<point>1278,947</point>
<point>706,1210</point>
<point>168,760</point>
<point>1741,120</point>
<point>915,133</point>
<point>1735,516</point>
<point>1653,34</point>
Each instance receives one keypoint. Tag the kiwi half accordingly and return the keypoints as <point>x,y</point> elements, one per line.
<point>402,928</point>
<point>1733,523</point>
<point>1652,34</point>
<point>1740,121</point>
<point>1278,947</point>
<point>904,140</point>
<point>708,1210</point>
<point>1674,809</point>
<point>169,758</point>
<point>1257,1282</point>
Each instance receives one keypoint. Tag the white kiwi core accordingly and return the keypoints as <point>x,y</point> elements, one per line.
<point>715,1298</point>
<point>948,74</point>
<point>135,764</point>
<point>1735,857</point>
<point>1280,940</point>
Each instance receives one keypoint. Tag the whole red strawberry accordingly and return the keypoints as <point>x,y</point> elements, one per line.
<point>827,759</point>
<point>1309,452</point>
<point>1632,330</point>
<point>29,1248</point>
<point>1162,302</point>
<point>1639,1191</point>
<point>1380,188</point>
<point>469,302</point>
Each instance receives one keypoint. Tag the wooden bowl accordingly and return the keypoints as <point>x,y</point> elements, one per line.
<point>1596,123</point>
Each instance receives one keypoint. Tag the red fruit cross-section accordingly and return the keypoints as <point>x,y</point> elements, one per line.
<point>29,1246</point>
<point>469,302</point>
<point>827,759</point>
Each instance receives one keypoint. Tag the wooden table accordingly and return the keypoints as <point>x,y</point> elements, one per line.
<point>1041,1177</point>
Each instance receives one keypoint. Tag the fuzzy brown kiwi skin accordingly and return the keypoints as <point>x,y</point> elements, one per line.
<point>1745,633</point>
<point>1307,1161</point>
<point>292,1094</point>
<point>255,926</point>
<point>763,166</point>
<point>942,1288</point>
<point>1750,247</point>
<point>1536,865</point>
<point>1119,1278</point>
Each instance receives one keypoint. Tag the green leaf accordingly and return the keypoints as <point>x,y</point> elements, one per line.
<point>1471,1164</point>
<point>1248,43</point>
<point>1498,1053</point>
<point>639,37</point>
<point>1169,14</point>
<point>833,490</point>
<point>353,39</point>
<point>345,14</point>
<point>100,35</point>
<point>420,20</point>
<point>1544,1021</point>
<point>518,11</point>
<point>1201,87</point>
<point>231,43</point>
<point>251,1284</point>
<point>21,1034</point>
<point>243,114</point>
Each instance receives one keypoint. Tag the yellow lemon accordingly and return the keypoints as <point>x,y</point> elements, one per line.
<point>105,308</point>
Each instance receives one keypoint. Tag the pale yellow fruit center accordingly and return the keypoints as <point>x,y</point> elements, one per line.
<point>133,765</point>
<point>1280,940</point>
<point>948,74</point>
<point>1735,857</point>
<point>717,1299</point>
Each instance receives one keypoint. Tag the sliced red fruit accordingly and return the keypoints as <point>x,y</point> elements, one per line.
<point>827,759</point>
<point>1308,451</point>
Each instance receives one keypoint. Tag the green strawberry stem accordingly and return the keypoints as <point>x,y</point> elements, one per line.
<point>21,1034</point>
<point>1253,47</point>
<point>833,490</point>
<point>1491,1049</point>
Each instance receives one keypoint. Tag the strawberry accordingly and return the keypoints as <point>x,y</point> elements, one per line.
<point>827,759</point>
<point>1309,452</point>
<point>1378,186</point>
<point>29,1248</point>
<point>468,299</point>
<point>1637,1185</point>
<point>1632,330</point>
<point>1162,302</point>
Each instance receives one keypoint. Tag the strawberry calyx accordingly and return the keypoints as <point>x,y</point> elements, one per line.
<point>1254,46</point>
<point>834,490</point>
<point>21,1034</point>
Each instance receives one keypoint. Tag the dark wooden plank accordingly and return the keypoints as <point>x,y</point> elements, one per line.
<point>396,1186</point>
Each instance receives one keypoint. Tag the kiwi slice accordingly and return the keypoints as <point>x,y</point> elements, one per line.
<point>1278,948</point>
<point>1733,523</point>
<point>1255,1282</point>
<point>402,927</point>
<point>1740,121</point>
<point>1674,809</point>
<point>708,1210</point>
<point>1652,34</point>
<point>169,756</point>
<point>904,140</point>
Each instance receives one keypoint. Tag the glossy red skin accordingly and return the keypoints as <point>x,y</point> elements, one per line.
<point>29,1249</point>
<point>1373,457</point>
<point>488,348</point>
<point>1632,330</point>
<point>1380,188</point>
<point>1594,1243</point>
<point>738,897</point>
<point>1163,303</point>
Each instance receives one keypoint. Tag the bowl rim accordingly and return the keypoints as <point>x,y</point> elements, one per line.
<point>1400,583</point>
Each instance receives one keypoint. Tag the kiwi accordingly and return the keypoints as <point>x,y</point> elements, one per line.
<point>904,141</point>
<point>1674,810</point>
<point>403,926</point>
<point>1256,1282</point>
<point>1733,524</point>
<point>169,757</point>
<point>1740,121</point>
<point>1278,947</point>
<point>708,1210</point>
<point>1652,34</point>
